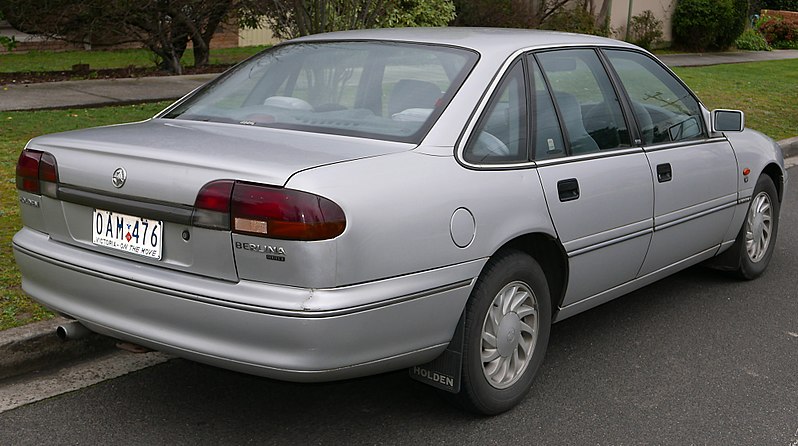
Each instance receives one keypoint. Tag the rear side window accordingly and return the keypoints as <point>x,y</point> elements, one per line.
<point>664,109</point>
<point>588,104</point>
<point>500,135</point>
<point>546,133</point>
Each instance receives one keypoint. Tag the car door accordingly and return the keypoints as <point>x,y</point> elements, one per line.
<point>695,176</point>
<point>599,188</point>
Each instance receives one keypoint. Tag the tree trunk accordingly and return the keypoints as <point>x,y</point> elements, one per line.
<point>201,54</point>
<point>170,60</point>
<point>170,45</point>
<point>302,18</point>
<point>604,13</point>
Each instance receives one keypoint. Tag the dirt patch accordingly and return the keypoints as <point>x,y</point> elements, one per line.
<point>111,73</point>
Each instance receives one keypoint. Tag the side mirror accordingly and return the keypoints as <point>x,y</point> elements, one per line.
<point>728,120</point>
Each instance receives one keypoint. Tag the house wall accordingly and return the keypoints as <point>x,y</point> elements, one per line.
<point>259,36</point>
<point>662,9</point>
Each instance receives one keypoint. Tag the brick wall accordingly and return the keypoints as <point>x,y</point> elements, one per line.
<point>226,36</point>
<point>786,15</point>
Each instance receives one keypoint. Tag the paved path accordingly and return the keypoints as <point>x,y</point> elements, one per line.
<point>701,59</point>
<point>93,93</point>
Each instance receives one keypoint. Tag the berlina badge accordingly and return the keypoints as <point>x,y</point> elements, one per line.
<point>119,177</point>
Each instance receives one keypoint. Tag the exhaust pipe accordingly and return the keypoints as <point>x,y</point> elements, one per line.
<point>72,330</point>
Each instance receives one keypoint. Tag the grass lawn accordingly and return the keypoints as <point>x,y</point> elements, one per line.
<point>63,61</point>
<point>766,91</point>
<point>16,128</point>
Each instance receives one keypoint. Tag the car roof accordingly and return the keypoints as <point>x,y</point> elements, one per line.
<point>483,40</point>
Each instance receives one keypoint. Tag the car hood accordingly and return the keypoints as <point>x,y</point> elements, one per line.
<point>169,160</point>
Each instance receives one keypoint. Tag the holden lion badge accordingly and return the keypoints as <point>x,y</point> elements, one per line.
<point>119,177</point>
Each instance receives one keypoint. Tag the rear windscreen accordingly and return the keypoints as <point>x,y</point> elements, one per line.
<point>383,90</point>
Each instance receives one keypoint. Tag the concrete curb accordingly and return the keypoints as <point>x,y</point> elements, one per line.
<point>789,147</point>
<point>35,346</point>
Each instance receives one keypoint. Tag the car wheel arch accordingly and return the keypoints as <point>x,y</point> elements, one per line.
<point>728,259</point>
<point>550,255</point>
<point>775,173</point>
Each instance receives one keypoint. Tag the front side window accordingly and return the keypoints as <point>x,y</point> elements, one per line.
<point>588,104</point>
<point>383,90</point>
<point>664,109</point>
<point>500,135</point>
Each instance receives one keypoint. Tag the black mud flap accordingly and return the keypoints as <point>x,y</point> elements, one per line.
<point>443,372</point>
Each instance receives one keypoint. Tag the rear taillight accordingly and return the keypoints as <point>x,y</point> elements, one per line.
<point>37,173</point>
<point>284,213</point>
<point>28,171</point>
<point>212,207</point>
<point>267,211</point>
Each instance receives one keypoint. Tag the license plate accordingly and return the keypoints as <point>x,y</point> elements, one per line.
<point>127,233</point>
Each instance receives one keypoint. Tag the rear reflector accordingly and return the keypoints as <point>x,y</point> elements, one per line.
<point>267,211</point>
<point>37,173</point>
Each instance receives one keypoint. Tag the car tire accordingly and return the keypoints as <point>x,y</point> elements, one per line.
<point>506,332</point>
<point>757,238</point>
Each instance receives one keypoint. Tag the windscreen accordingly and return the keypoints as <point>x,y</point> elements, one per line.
<point>382,90</point>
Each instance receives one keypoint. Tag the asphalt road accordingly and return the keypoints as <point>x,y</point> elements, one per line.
<point>698,358</point>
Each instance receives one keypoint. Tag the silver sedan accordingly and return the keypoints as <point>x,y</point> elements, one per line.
<point>353,203</point>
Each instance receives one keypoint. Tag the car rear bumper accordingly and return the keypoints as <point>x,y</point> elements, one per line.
<point>275,331</point>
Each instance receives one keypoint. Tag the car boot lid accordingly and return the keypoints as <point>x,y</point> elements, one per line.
<point>170,160</point>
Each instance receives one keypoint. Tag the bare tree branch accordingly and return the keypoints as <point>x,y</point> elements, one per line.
<point>163,26</point>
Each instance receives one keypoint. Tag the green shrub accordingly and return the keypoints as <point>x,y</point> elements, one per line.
<point>9,43</point>
<point>575,20</point>
<point>419,13</point>
<point>708,24</point>
<point>733,20</point>
<point>694,24</point>
<point>645,30</point>
<point>752,40</point>
<point>779,33</point>
<point>779,5</point>
<point>492,13</point>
